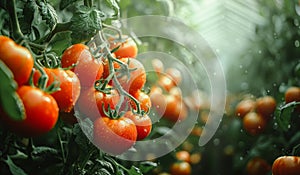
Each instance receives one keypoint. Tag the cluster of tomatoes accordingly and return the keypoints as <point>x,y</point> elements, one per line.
<point>40,108</point>
<point>165,93</point>
<point>256,113</point>
<point>107,91</point>
<point>112,94</point>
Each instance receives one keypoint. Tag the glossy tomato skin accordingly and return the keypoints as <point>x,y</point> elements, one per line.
<point>41,113</point>
<point>183,156</point>
<point>143,124</point>
<point>258,166</point>
<point>181,168</point>
<point>127,49</point>
<point>175,108</point>
<point>87,68</point>
<point>254,123</point>
<point>144,100</point>
<point>286,165</point>
<point>91,102</point>
<point>244,107</point>
<point>69,87</point>
<point>175,75</point>
<point>114,136</point>
<point>293,94</point>
<point>266,106</point>
<point>17,58</point>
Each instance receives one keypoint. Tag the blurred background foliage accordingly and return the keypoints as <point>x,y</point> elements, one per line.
<point>258,44</point>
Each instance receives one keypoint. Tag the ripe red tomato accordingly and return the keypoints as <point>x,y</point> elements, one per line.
<point>69,84</point>
<point>158,101</point>
<point>144,99</point>
<point>166,82</point>
<point>293,94</point>
<point>175,108</point>
<point>183,156</point>
<point>175,75</point>
<point>143,124</point>
<point>254,123</point>
<point>137,75</point>
<point>180,168</point>
<point>114,136</point>
<point>286,165</point>
<point>127,49</point>
<point>91,102</point>
<point>158,66</point>
<point>87,68</point>
<point>266,106</point>
<point>244,107</point>
<point>258,166</point>
<point>17,58</point>
<point>41,113</point>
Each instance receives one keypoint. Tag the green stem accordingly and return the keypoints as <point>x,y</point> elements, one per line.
<point>16,31</point>
<point>60,27</point>
<point>61,147</point>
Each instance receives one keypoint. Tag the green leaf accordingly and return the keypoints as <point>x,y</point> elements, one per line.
<point>106,164</point>
<point>134,171</point>
<point>48,14</point>
<point>9,99</point>
<point>147,166</point>
<point>14,169</point>
<point>28,16</point>
<point>114,5</point>
<point>85,23</point>
<point>284,114</point>
<point>65,3</point>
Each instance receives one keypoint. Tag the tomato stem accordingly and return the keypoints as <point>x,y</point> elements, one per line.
<point>16,31</point>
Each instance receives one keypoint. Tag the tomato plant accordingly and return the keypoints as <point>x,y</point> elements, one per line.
<point>287,165</point>
<point>41,113</point>
<point>81,61</point>
<point>17,58</point>
<point>114,136</point>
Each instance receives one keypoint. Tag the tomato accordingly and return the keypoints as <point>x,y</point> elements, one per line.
<point>183,156</point>
<point>180,168</point>
<point>175,109</point>
<point>175,75</point>
<point>17,58</point>
<point>158,101</point>
<point>41,112</point>
<point>266,106</point>
<point>158,66</point>
<point>244,107</point>
<point>166,82</point>
<point>293,94</point>
<point>258,166</point>
<point>87,68</point>
<point>144,100</point>
<point>91,102</point>
<point>114,136</point>
<point>286,165</point>
<point>69,87</point>
<point>254,123</point>
<point>127,49</point>
<point>143,124</point>
<point>176,91</point>
<point>137,75</point>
